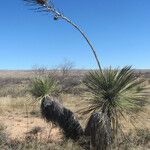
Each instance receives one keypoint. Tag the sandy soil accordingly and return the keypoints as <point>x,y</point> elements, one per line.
<point>19,125</point>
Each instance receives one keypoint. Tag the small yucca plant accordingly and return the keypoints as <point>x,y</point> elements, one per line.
<point>44,86</point>
<point>114,93</point>
<point>46,89</point>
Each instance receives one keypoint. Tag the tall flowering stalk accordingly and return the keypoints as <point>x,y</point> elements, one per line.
<point>48,6</point>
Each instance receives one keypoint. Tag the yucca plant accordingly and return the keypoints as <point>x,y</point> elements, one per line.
<point>111,93</point>
<point>46,90</point>
<point>114,93</point>
<point>41,87</point>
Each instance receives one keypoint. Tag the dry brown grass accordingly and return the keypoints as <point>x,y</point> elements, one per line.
<point>20,117</point>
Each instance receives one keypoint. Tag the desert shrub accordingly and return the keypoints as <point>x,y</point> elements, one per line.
<point>70,84</point>
<point>65,68</point>
<point>39,71</point>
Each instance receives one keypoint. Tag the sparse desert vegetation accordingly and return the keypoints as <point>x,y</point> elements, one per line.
<point>101,109</point>
<point>21,125</point>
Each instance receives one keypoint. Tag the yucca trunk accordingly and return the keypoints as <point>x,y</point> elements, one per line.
<point>53,111</point>
<point>97,133</point>
<point>98,129</point>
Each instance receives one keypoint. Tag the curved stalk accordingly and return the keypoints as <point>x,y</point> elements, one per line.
<point>86,38</point>
<point>59,15</point>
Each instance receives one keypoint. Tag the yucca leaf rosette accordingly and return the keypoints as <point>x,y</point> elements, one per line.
<point>44,86</point>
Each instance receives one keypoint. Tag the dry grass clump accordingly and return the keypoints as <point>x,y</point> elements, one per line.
<point>71,84</point>
<point>136,139</point>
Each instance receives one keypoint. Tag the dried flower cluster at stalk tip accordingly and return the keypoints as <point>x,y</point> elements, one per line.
<point>42,2</point>
<point>39,2</point>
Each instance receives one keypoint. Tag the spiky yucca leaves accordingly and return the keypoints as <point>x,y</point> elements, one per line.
<point>44,86</point>
<point>114,90</point>
<point>114,93</point>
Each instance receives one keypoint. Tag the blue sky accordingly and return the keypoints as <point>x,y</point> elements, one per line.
<point>118,29</point>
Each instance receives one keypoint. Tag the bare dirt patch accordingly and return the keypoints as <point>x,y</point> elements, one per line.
<point>19,123</point>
